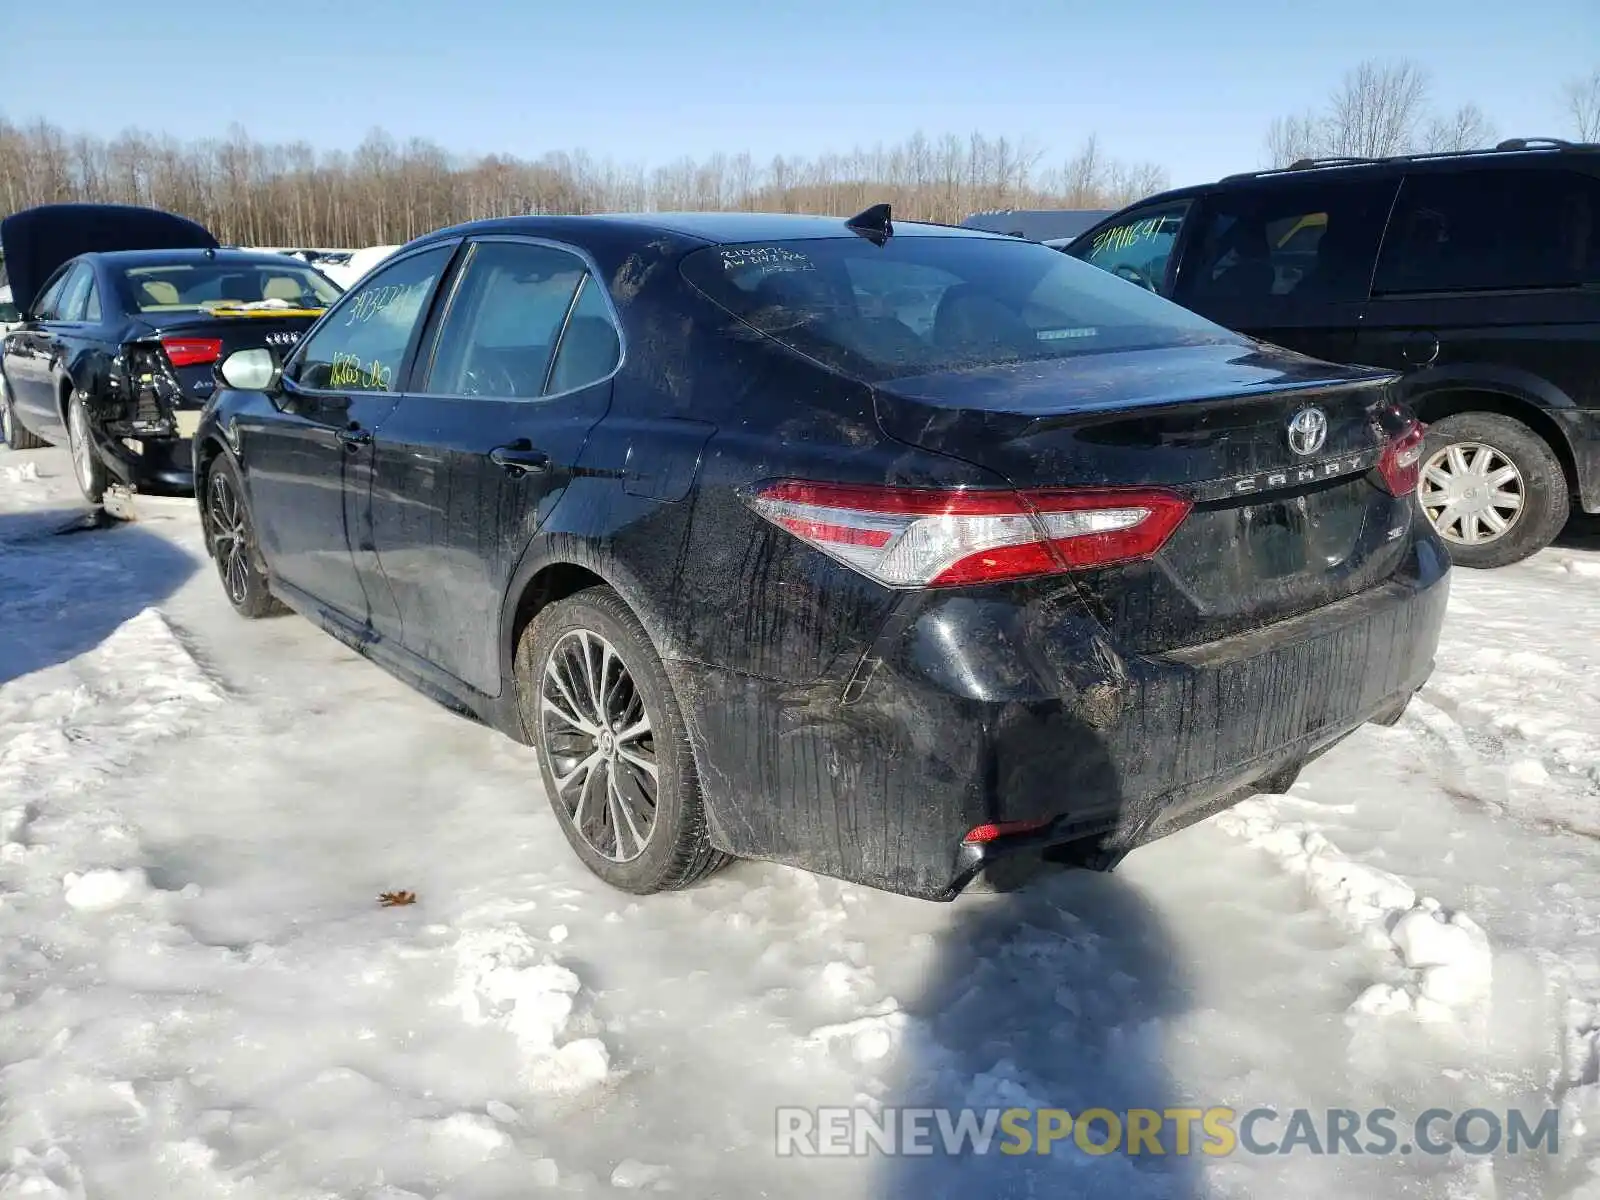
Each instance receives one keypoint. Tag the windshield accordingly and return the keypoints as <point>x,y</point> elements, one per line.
<point>201,287</point>
<point>917,305</point>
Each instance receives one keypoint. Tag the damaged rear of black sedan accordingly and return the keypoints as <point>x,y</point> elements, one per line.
<point>879,549</point>
<point>125,312</point>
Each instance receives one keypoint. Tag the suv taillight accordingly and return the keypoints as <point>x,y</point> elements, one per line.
<point>1400,464</point>
<point>919,537</point>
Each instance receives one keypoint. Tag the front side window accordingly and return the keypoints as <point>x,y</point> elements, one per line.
<point>503,336</point>
<point>1305,243</point>
<point>1138,248</point>
<point>221,285</point>
<point>1490,230</point>
<point>359,347</point>
<point>921,304</point>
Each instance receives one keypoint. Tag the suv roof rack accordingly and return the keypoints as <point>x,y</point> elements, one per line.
<point>1508,146</point>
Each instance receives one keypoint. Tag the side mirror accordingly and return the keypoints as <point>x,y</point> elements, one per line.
<point>250,370</point>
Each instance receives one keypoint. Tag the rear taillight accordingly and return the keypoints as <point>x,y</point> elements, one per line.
<point>192,351</point>
<point>993,832</point>
<point>918,537</point>
<point>1399,465</point>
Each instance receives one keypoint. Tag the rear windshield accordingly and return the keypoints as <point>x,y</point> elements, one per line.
<point>196,287</point>
<point>918,305</point>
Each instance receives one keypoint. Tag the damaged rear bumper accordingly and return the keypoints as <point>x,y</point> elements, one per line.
<point>972,711</point>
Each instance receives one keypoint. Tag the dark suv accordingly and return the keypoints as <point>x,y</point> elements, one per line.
<point>1476,274</point>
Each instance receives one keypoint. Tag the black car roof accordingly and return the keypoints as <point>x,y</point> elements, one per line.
<point>712,228</point>
<point>1518,152</point>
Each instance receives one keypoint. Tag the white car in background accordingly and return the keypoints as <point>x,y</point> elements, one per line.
<point>345,274</point>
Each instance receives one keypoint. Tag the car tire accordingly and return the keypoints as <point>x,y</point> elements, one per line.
<point>231,539</point>
<point>604,810</point>
<point>87,467</point>
<point>11,429</point>
<point>1513,460</point>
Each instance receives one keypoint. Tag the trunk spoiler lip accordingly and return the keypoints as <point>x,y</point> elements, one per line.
<point>1287,375</point>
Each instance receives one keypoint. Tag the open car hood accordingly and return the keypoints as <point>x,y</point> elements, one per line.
<point>37,240</point>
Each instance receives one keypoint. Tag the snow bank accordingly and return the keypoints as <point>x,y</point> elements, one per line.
<point>1446,955</point>
<point>504,979</point>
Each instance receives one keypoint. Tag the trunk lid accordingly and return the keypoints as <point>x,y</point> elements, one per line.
<point>277,329</point>
<point>35,241</point>
<point>1274,531</point>
<point>156,396</point>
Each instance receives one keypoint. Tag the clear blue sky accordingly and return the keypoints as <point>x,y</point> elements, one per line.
<point>1190,84</point>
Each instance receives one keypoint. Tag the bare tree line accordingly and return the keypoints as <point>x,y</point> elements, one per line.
<point>1384,108</point>
<point>254,193</point>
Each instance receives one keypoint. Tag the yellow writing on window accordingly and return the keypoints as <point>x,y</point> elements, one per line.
<point>1123,236</point>
<point>348,371</point>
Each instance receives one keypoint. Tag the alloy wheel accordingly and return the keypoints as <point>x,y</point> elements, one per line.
<point>82,447</point>
<point>1472,493</point>
<point>599,741</point>
<point>230,537</point>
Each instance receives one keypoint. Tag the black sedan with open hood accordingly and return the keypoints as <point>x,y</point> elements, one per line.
<point>124,311</point>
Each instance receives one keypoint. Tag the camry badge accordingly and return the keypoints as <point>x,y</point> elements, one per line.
<point>1308,429</point>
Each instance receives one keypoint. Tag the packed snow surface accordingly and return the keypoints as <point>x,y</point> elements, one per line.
<point>201,995</point>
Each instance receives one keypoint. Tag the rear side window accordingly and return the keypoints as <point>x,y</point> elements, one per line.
<point>1138,248</point>
<point>507,319</point>
<point>922,304</point>
<point>47,304</point>
<point>1491,230</point>
<point>1309,243</point>
<point>75,296</point>
<point>360,345</point>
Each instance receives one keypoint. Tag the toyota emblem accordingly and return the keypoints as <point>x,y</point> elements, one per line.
<point>1308,429</point>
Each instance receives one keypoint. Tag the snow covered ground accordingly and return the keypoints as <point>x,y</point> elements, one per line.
<point>200,995</point>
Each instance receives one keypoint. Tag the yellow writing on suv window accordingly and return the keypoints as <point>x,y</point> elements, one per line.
<point>1123,236</point>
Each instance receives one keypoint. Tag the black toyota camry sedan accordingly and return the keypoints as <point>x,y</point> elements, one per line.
<point>124,312</point>
<point>881,549</point>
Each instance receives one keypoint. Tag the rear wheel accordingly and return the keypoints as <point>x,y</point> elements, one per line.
<point>87,466</point>
<point>11,429</point>
<point>596,704</point>
<point>233,543</point>
<point>1492,488</point>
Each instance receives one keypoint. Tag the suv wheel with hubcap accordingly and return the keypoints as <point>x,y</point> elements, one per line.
<point>1492,488</point>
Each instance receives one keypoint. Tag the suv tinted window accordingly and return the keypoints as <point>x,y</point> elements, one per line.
<point>359,345</point>
<point>920,304</point>
<point>500,335</point>
<point>1484,230</point>
<point>1312,242</point>
<point>1138,248</point>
